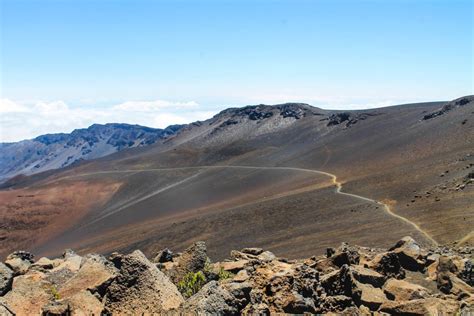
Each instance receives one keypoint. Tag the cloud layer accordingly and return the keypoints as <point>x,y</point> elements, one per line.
<point>20,121</point>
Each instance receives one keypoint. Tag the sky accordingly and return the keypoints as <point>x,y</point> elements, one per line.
<point>67,64</point>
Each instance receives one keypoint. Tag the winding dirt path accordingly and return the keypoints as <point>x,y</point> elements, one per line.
<point>337,184</point>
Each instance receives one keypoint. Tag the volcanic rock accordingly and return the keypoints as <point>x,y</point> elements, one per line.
<point>368,283</point>
<point>429,306</point>
<point>212,299</point>
<point>29,293</point>
<point>94,274</point>
<point>19,261</point>
<point>6,279</point>
<point>193,259</point>
<point>409,254</point>
<point>164,255</point>
<point>400,290</point>
<point>56,309</point>
<point>140,287</point>
<point>387,263</point>
<point>252,251</point>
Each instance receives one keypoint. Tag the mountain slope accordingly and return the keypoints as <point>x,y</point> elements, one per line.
<point>53,151</point>
<point>408,174</point>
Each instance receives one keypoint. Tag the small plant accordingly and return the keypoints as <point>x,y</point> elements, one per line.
<point>207,267</point>
<point>223,274</point>
<point>55,293</point>
<point>191,283</point>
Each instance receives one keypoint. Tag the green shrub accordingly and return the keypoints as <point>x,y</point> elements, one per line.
<point>191,283</point>
<point>223,274</point>
<point>55,292</point>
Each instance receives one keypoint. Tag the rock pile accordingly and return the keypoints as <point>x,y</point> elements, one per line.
<point>350,280</point>
<point>348,118</point>
<point>450,106</point>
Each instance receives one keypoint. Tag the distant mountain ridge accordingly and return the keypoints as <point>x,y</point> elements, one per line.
<point>53,151</point>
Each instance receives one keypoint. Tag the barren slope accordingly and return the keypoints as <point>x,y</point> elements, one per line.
<point>382,154</point>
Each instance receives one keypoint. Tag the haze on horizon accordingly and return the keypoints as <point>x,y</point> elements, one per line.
<point>66,65</point>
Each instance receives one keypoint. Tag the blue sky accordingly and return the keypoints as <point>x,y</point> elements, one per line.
<point>177,61</point>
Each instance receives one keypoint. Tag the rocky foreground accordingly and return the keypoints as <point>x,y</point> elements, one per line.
<point>350,280</point>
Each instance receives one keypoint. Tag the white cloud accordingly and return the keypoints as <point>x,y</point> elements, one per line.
<point>166,119</point>
<point>55,106</point>
<point>149,106</point>
<point>8,106</point>
<point>31,119</point>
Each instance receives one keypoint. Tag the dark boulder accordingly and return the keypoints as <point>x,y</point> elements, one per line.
<point>345,255</point>
<point>410,254</point>
<point>387,263</point>
<point>6,279</point>
<point>164,255</point>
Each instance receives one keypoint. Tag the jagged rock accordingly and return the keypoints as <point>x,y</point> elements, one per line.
<point>345,255</point>
<point>448,282</point>
<point>387,263</point>
<point>193,259</point>
<point>444,269</point>
<point>18,266</point>
<point>212,299</point>
<point>347,282</point>
<point>400,290</point>
<point>325,265</point>
<point>19,261</point>
<point>23,255</point>
<point>72,261</point>
<point>64,268</point>
<point>241,276</point>
<point>266,256</point>
<point>233,266</point>
<point>337,303</point>
<point>29,293</point>
<point>338,118</point>
<point>43,264</point>
<point>460,288</point>
<point>448,107</point>
<point>6,279</point>
<point>338,282</point>
<point>252,251</point>
<point>295,303</point>
<point>429,306</point>
<point>292,110</point>
<point>349,118</point>
<point>140,287</point>
<point>84,303</point>
<point>56,309</point>
<point>409,254</point>
<point>467,273</point>
<point>240,290</point>
<point>282,287</point>
<point>238,255</point>
<point>95,272</point>
<point>330,252</point>
<point>368,295</point>
<point>164,255</point>
<point>368,276</point>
